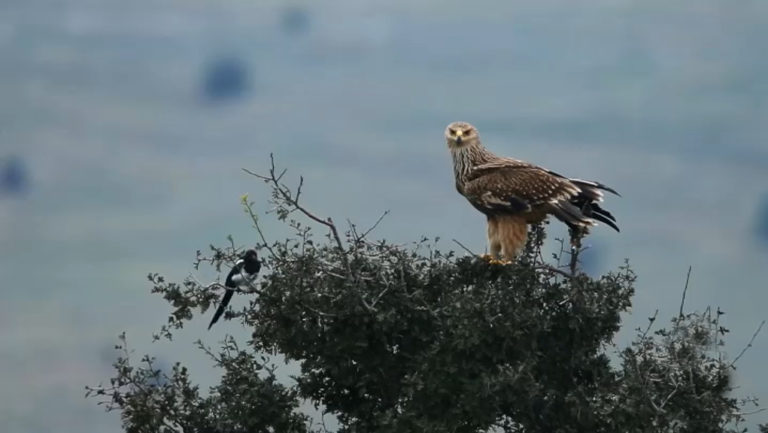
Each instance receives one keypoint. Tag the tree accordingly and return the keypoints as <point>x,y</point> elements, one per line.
<point>394,338</point>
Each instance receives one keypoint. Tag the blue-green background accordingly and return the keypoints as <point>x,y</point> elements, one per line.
<point>131,168</point>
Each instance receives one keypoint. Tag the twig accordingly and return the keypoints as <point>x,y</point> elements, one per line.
<point>562,251</point>
<point>658,409</point>
<point>685,290</point>
<point>751,340</point>
<point>379,296</point>
<point>365,233</point>
<point>367,306</point>
<point>298,188</point>
<point>207,350</point>
<point>669,397</point>
<point>282,173</point>
<point>352,229</point>
<point>717,328</point>
<point>255,219</point>
<point>546,267</point>
<point>465,248</point>
<point>322,420</point>
<point>751,412</point>
<point>576,236</point>
<point>316,311</point>
<point>650,323</point>
<point>291,200</point>
<point>220,286</point>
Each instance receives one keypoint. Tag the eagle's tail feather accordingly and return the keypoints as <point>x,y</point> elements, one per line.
<point>593,188</point>
<point>572,215</point>
<point>605,219</point>
<point>583,210</point>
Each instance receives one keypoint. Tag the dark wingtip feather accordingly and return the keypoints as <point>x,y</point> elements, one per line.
<point>595,208</point>
<point>598,213</point>
<point>599,185</point>
<point>593,184</point>
<point>607,188</point>
<point>606,221</point>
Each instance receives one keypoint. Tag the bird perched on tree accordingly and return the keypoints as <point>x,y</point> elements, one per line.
<point>240,277</point>
<point>513,193</point>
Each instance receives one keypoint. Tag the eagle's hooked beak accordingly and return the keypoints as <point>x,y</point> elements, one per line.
<point>459,136</point>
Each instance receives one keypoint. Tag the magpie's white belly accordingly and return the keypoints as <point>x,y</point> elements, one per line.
<point>242,279</point>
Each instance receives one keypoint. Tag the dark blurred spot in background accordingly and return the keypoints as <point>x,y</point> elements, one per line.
<point>226,79</point>
<point>761,222</point>
<point>13,176</point>
<point>294,20</point>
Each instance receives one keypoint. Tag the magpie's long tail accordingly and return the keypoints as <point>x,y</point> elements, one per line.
<point>222,307</point>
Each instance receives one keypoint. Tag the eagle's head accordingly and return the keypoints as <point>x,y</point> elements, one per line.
<point>460,135</point>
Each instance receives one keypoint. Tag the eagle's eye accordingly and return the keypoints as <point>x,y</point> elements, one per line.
<point>468,131</point>
<point>452,131</point>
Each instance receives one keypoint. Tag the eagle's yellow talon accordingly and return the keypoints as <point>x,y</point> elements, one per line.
<point>493,260</point>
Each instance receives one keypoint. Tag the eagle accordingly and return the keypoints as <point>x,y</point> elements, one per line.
<point>513,194</point>
<point>240,276</point>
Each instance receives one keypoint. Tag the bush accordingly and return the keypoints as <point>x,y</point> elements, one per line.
<point>393,338</point>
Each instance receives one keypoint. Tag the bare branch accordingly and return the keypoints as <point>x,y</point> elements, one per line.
<point>559,256</point>
<point>365,233</point>
<point>292,201</point>
<point>671,394</point>
<point>576,236</point>
<point>751,340</point>
<point>751,412</point>
<point>282,173</point>
<point>685,290</point>
<point>255,219</point>
<point>298,188</point>
<point>207,350</point>
<point>650,324</point>
<point>353,230</point>
<point>553,269</point>
<point>219,286</point>
<point>367,305</point>
<point>465,248</point>
<point>316,311</point>
<point>379,296</point>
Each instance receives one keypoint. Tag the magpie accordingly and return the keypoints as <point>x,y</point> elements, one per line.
<point>240,277</point>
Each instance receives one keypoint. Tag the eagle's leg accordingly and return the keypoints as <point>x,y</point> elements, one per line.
<point>494,242</point>
<point>497,258</point>
<point>495,254</point>
<point>495,248</point>
<point>512,234</point>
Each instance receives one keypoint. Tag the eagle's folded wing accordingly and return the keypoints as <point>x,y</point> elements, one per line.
<point>516,188</point>
<point>499,162</point>
<point>525,189</point>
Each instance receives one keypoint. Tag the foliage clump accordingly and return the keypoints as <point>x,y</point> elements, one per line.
<point>393,338</point>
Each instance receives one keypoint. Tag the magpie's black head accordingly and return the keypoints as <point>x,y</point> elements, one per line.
<point>249,262</point>
<point>250,255</point>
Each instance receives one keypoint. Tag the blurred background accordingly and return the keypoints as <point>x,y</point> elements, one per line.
<point>124,126</point>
